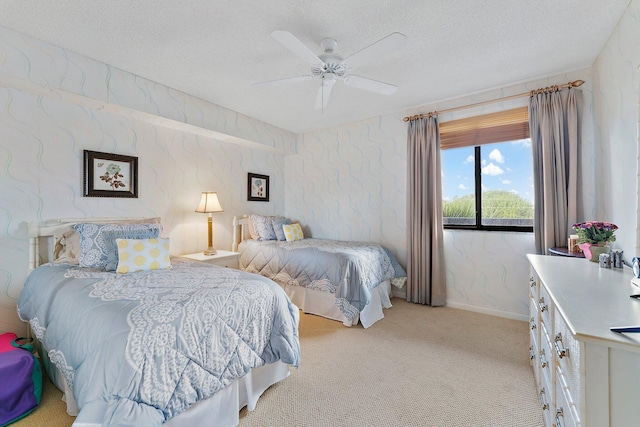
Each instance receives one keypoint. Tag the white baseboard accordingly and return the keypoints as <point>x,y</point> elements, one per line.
<point>402,293</point>
<point>490,311</point>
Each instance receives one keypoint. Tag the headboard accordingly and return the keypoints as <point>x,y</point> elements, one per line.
<point>42,235</point>
<point>240,231</point>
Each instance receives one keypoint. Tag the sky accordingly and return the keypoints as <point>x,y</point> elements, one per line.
<point>505,166</point>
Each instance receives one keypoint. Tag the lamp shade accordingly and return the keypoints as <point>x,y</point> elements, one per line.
<point>209,203</point>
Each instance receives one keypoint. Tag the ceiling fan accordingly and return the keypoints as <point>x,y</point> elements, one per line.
<point>330,67</point>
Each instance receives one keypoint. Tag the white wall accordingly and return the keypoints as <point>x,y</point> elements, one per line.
<point>54,105</point>
<point>616,82</point>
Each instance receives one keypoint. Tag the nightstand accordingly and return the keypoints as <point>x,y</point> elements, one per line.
<point>222,258</point>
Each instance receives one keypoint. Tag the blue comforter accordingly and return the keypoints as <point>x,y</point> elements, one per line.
<point>349,270</point>
<point>138,349</point>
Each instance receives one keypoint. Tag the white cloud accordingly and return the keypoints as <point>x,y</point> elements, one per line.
<point>506,181</point>
<point>470,159</point>
<point>496,156</point>
<point>462,187</point>
<point>483,162</point>
<point>492,170</point>
<point>523,142</point>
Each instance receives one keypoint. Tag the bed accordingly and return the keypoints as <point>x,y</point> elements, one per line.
<point>189,344</point>
<point>345,281</point>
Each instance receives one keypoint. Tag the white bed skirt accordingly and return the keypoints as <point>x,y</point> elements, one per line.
<point>324,304</point>
<point>222,409</point>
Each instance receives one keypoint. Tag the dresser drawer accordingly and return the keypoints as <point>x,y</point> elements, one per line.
<point>546,403</point>
<point>567,353</point>
<point>545,358</point>
<point>564,413</point>
<point>533,285</point>
<point>545,309</point>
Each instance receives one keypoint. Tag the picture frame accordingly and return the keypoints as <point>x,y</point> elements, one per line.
<point>110,175</point>
<point>257,187</point>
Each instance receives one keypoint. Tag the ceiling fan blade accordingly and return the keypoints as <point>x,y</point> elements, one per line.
<point>385,46</point>
<point>290,41</point>
<point>322,99</point>
<point>279,82</point>
<point>371,85</point>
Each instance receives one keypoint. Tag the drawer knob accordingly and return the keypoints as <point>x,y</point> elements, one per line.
<point>542,305</point>
<point>532,323</point>
<point>559,417</point>
<point>544,404</point>
<point>532,282</point>
<point>560,350</point>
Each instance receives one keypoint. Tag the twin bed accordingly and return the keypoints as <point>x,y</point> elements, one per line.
<point>133,336</point>
<point>345,281</point>
<point>187,345</point>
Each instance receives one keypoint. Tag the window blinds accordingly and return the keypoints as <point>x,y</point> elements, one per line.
<point>510,125</point>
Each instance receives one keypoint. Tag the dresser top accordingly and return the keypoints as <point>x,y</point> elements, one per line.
<point>591,299</point>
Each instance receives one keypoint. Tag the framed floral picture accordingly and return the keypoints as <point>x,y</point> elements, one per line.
<point>110,175</point>
<point>258,187</point>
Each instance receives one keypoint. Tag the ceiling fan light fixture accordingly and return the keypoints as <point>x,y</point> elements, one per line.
<point>330,66</point>
<point>329,79</point>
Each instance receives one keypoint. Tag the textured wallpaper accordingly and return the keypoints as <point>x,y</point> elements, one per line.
<point>52,107</point>
<point>615,159</point>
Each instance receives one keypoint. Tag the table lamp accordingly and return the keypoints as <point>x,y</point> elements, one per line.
<point>209,203</point>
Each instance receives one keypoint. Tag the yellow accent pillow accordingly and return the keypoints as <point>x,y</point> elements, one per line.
<point>142,254</point>
<point>292,232</point>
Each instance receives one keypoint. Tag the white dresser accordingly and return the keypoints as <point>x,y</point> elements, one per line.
<point>586,375</point>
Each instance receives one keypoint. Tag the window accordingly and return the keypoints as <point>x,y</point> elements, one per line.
<point>487,172</point>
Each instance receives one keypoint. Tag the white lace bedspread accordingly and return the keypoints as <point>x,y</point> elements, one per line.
<point>138,349</point>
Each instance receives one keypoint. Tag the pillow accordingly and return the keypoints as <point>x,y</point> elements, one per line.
<point>252,230</point>
<point>293,232</point>
<point>263,226</point>
<point>110,237</point>
<point>277,224</point>
<point>142,254</point>
<point>94,248</point>
<point>67,245</point>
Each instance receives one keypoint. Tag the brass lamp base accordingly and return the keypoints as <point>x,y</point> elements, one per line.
<point>210,251</point>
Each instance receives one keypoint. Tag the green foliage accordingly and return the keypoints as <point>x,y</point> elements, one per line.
<point>495,204</point>
<point>595,232</point>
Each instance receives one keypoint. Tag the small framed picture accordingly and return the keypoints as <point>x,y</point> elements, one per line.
<point>258,187</point>
<point>110,175</point>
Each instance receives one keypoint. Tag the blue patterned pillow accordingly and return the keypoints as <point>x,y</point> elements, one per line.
<point>263,226</point>
<point>97,247</point>
<point>277,224</point>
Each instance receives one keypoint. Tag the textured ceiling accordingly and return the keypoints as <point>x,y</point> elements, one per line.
<point>216,49</point>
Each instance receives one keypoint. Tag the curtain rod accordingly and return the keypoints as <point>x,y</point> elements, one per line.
<point>554,88</point>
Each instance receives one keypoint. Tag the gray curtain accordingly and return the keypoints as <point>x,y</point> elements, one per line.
<point>553,124</point>
<point>425,248</point>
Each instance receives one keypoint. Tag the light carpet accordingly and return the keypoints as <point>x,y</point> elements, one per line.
<point>420,366</point>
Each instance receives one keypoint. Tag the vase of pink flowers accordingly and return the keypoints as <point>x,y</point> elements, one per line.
<point>594,238</point>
